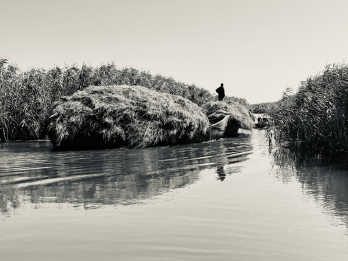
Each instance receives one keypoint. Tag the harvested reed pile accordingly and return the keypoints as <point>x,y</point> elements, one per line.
<point>317,115</point>
<point>115,116</point>
<point>239,114</point>
<point>233,99</point>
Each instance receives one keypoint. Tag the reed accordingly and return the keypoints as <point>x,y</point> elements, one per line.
<point>315,116</point>
<point>261,107</point>
<point>131,116</point>
<point>26,96</point>
<point>235,100</point>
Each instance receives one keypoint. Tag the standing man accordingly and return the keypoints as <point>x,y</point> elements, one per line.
<point>221,92</point>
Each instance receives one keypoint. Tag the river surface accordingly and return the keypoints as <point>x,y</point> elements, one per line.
<point>232,199</point>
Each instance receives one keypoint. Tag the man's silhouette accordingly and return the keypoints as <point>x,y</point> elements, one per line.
<point>221,92</point>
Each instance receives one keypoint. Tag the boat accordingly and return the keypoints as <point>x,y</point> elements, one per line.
<point>222,127</point>
<point>262,123</point>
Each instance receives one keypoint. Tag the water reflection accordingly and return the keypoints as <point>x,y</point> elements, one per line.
<point>221,173</point>
<point>34,174</point>
<point>326,180</point>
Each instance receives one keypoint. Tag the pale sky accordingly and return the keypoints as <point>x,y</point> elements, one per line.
<point>256,48</point>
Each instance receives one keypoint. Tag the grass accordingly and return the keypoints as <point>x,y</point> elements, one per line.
<point>239,113</point>
<point>26,96</point>
<point>131,116</point>
<point>315,116</point>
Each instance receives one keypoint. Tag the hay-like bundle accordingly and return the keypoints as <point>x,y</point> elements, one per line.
<point>239,114</point>
<point>116,116</point>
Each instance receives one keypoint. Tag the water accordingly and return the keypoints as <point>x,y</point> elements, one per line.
<point>234,199</point>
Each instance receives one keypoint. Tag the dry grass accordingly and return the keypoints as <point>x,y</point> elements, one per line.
<point>133,116</point>
<point>238,112</point>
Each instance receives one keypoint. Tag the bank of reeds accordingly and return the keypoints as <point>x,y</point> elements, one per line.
<point>261,107</point>
<point>116,116</point>
<point>238,112</point>
<point>25,96</point>
<point>315,116</point>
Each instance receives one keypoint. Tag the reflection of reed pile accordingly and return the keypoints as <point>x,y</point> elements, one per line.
<point>324,179</point>
<point>113,177</point>
<point>105,190</point>
<point>113,190</point>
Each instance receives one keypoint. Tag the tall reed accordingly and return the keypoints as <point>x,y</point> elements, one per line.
<point>25,97</point>
<point>315,116</point>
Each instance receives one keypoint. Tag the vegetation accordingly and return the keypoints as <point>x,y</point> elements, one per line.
<point>115,116</point>
<point>25,97</point>
<point>232,99</point>
<point>316,116</point>
<point>261,107</point>
<point>238,112</point>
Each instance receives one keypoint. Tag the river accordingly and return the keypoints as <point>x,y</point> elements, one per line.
<point>232,199</point>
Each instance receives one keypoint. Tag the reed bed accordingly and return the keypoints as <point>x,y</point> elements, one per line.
<point>315,116</point>
<point>261,107</point>
<point>132,116</point>
<point>238,112</point>
<point>26,96</point>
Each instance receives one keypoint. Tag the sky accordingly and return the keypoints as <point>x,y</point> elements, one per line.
<point>257,48</point>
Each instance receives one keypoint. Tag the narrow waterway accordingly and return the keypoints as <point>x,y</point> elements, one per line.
<point>233,199</point>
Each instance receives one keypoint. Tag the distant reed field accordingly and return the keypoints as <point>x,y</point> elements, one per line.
<point>261,107</point>
<point>315,116</point>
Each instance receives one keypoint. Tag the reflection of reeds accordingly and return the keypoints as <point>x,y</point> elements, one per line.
<point>322,178</point>
<point>9,199</point>
<point>25,97</point>
<point>317,114</point>
<point>112,178</point>
<point>107,190</point>
<point>288,160</point>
